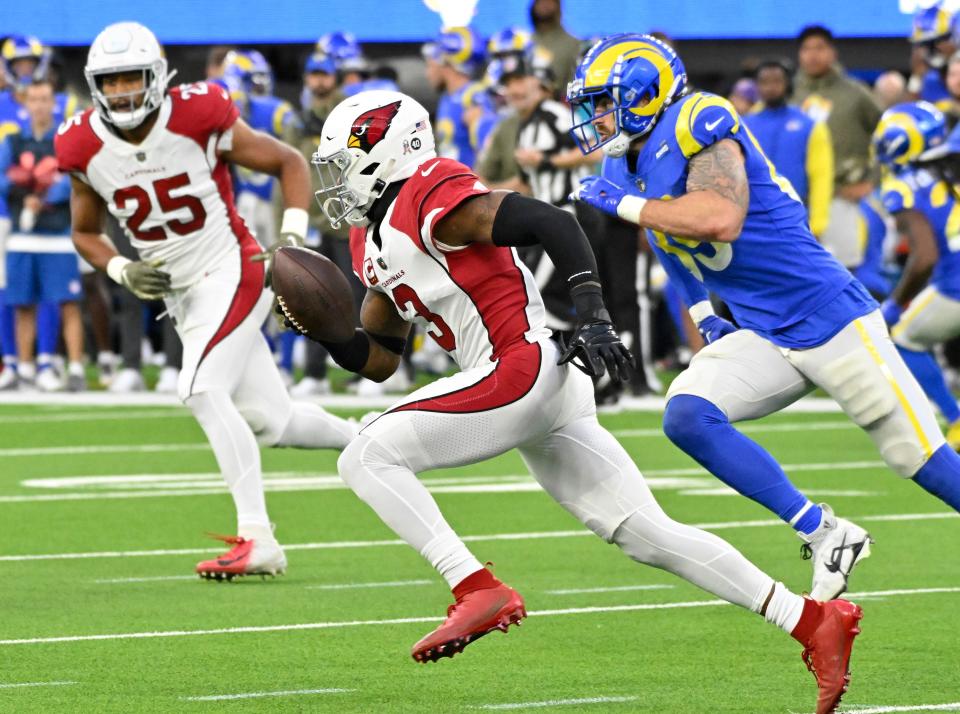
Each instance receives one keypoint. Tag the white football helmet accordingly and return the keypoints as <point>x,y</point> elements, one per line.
<point>127,47</point>
<point>368,141</point>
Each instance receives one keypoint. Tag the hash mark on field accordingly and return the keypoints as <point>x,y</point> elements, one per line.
<point>256,695</point>
<point>35,684</point>
<point>399,621</point>
<point>352,586</point>
<point>617,589</point>
<point>558,703</point>
<point>102,449</point>
<point>535,535</point>
<point>101,415</point>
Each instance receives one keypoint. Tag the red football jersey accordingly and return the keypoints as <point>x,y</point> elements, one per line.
<point>476,301</point>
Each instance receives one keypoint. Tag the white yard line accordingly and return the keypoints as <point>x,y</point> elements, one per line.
<point>615,589</point>
<point>392,621</point>
<point>17,685</point>
<point>208,484</point>
<point>102,449</point>
<point>152,579</point>
<point>258,695</point>
<point>100,415</point>
<point>557,703</point>
<point>534,535</point>
<point>357,586</point>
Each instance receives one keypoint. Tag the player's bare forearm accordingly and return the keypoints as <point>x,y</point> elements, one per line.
<point>715,205</point>
<point>258,151</point>
<point>379,316</point>
<point>94,249</point>
<point>923,256</point>
<point>86,215</point>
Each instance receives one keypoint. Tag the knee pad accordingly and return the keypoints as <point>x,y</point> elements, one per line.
<point>860,387</point>
<point>905,457</point>
<point>687,419</point>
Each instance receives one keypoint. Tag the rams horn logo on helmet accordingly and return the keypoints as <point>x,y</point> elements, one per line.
<point>371,126</point>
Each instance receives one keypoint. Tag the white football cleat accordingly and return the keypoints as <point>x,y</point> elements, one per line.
<point>48,380</point>
<point>836,547</point>
<point>127,380</point>
<point>167,381</point>
<point>310,387</point>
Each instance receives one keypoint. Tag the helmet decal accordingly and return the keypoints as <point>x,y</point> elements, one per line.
<point>371,126</point>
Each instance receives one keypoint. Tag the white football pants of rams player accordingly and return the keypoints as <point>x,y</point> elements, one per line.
<point>931,319</point>
<point>747,377</point>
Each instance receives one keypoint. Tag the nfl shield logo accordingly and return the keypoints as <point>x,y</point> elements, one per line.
<point>641,185</point>
<point>141,156</point>
<point>382,263</point>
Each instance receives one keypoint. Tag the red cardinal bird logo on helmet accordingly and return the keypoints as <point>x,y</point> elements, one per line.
<point>369,128</point>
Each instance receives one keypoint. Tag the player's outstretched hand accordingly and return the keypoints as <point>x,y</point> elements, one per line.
<point>145,279</point>
<point>599,348</point>
<point>712,328</point>
<point>599,193</point>
<point>286,240</point>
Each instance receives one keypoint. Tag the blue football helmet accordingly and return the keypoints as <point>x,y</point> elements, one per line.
<point>932,25</point>
<point>345,51</point>
<point>634,78</point>
<point>320,62</point>
<point>511,40</point>
<point>906,132</point>
<point>20,47</point>
<point>460,48</point>
<point>250,70</point>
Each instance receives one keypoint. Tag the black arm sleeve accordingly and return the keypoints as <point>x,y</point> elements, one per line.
<point>523,221</point>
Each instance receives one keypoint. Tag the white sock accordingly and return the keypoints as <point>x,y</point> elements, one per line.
<point>27,370</point>
<point>237,454</point>
<point>75,369</point>
<point>44,359</point>
<point>106,358</point>
<point>10,360</point>
<point>404,504</point>
<point>784,609</point>
<point>311,427</point>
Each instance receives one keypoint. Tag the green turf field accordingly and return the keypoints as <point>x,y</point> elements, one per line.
<point>102,518</point>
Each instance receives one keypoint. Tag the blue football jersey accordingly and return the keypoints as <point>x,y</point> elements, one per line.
<point>922,191</point>
<point>270,115</point>
<point>450,127</point>
<point>934,90</point>
<point>776,278</point>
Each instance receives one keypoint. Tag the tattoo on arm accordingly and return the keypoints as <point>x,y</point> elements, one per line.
<point>719,168</point>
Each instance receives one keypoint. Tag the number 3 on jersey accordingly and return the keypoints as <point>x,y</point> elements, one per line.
<point>404,296</point>
<point>168,204</point>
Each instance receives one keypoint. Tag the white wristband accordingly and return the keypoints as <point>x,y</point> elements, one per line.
<point>630,207</point>
<point>295,221</point>
<point>701,311</point>
<point>115,268</point>
<point>915,84</point>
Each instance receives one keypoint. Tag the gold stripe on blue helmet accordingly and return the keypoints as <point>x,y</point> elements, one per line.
<point>600,71</point>
<point>655,57</point>
<point>466,48</point>
<point>909,126</point>
<point>280,114</point>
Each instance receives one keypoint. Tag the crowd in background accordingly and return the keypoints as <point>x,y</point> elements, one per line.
<point>501,110</point>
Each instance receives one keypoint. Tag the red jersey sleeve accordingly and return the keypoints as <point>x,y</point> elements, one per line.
<point>438,187</point>
<point>201,110</point>
<point>76,143</point>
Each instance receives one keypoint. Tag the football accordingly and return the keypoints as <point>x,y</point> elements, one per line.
<point>314,294</point>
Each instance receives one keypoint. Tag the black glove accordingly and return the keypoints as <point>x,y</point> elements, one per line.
<point>599,347</point>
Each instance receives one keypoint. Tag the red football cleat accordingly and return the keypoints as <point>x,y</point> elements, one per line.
<point>474,614</point>
<point>247,557</point>
<point>827,639</point>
